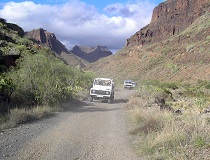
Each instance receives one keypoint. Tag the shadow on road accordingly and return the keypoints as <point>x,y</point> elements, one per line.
<point>115,101</point>
<point>91,109</point>
<point>95,106</point>
<point>120,101</point>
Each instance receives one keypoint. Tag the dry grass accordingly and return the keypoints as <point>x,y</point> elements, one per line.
<point>163,135</point>
<point>20,116</point>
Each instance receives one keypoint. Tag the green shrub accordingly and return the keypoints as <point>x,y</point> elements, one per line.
<point>189,48</point>
<point>24,41</point>
<point>173,68</point>
<point>200,102</point>
<point>207,85</point>
<point>165,51</point>
<point>3,68</point>
<point>44,79</point>
<point>208,38</point>
<point>200,141</point>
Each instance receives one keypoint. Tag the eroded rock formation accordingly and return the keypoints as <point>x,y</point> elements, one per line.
<point>169,18</point>
<point>46,38</point>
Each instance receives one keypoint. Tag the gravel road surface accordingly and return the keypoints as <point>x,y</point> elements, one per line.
<point>89,131</point>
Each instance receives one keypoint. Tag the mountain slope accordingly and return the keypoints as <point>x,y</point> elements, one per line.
<point>73,60</point>
<point>183,56</point>
<point>91,54</point>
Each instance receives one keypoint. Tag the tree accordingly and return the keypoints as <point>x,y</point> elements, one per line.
<point>6,90</point>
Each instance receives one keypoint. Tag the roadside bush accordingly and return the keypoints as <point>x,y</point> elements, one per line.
<point>43,79</point>
<point>38,79</point>
<point>6,90</point>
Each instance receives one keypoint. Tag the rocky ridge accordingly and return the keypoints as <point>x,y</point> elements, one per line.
<point>44,37</point>
<point>91,54</point>
<point>169,18</point>
<point>78,55</point>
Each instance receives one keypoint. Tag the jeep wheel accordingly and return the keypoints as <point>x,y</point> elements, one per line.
<point>109,101</point>
<point>91,99</point>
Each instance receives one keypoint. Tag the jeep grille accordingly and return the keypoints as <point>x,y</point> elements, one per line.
<point>102,92</point>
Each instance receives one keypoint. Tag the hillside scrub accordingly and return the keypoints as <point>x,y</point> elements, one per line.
<point>39,83</point>
<point>42,79</point>
<point>163,134</point>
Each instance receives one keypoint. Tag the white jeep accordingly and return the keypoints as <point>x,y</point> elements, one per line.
<point>129,84</point>
<point>103,88</point>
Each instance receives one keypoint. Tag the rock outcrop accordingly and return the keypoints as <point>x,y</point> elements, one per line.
<point>91,54</point>
<point>44,37</point>
<point>169,18</point>
<point>72,57</point>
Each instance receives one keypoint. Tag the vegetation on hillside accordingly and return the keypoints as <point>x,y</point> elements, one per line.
<point>34,84</point>
<point>165,133</point>
<point>42,79</point>
<point>182,57</point>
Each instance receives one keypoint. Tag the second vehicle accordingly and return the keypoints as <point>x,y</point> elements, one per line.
<point>103,88</point>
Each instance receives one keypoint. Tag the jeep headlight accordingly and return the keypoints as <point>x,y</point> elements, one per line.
<point>93,91</point>
<point>107,92</point>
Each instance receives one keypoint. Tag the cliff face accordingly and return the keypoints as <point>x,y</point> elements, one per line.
<point>169,18</point>
<point>91,54</point>
<point>46,38</point>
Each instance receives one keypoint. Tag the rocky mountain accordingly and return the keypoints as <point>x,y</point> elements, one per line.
<point>46,38</point>
<point>91,54</point>
<point>79,55</point>
<point>169,18</point>
<point>173,47</point>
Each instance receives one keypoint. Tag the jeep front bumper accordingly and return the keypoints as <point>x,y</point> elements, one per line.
<point>100,94</point>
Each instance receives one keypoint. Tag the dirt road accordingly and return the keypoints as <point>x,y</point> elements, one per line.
<point>92,131</point>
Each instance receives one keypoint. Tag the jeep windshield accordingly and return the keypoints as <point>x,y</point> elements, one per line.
<point>102,82</point>
<point>128,81</point>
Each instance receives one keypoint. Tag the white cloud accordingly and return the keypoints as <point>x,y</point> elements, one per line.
<point>76,23</point>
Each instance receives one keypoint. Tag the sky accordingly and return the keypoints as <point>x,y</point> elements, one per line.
<point>82,22</point>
